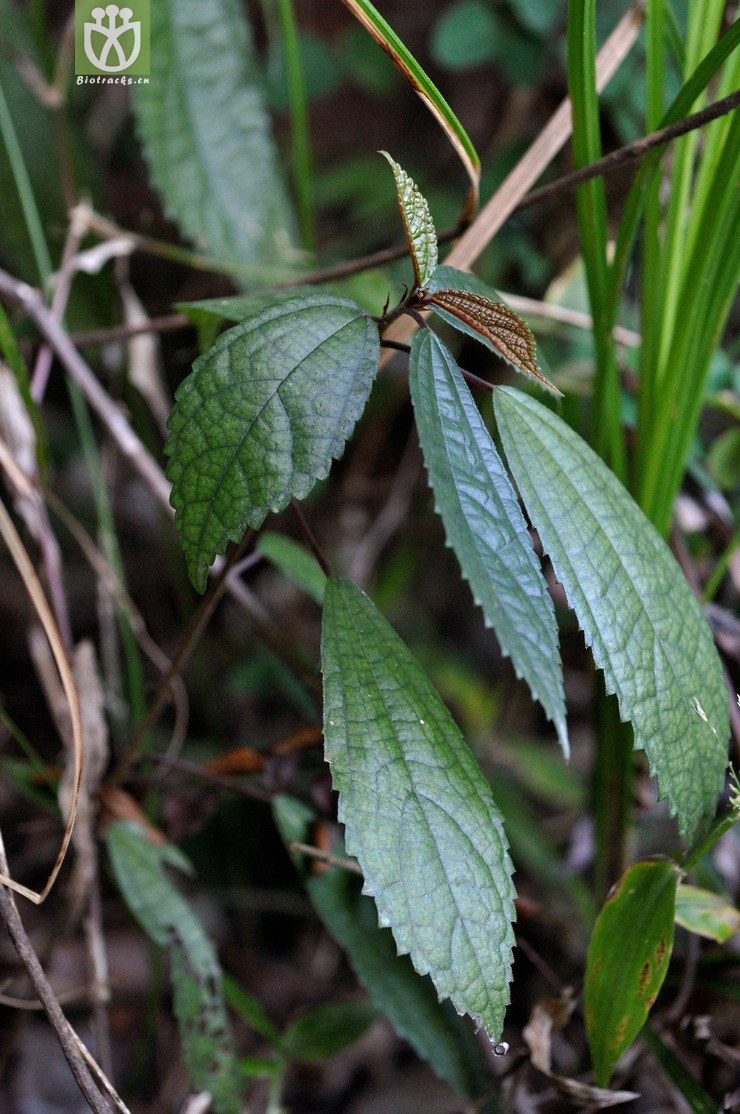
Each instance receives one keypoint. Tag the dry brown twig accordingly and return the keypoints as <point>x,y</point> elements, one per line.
<point>36,594</point>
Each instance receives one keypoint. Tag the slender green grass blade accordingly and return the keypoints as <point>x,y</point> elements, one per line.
<point>385,36</point>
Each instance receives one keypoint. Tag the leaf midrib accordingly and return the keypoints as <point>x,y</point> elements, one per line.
<point>576,590</point>
<point>420,797</point>
<point>232,384</point>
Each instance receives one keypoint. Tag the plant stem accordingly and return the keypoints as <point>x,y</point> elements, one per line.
<point>31,214</point>
<point>612,789</point>
<point>67,1039</point>
<point>299,122</point>
<point>606,433</point>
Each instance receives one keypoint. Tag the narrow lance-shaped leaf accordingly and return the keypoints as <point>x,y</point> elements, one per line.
<point>484,523</point>
<point>206,135</point>
<point>494,322</point>
<point>408,1000</point>
<point>418,813</point>
<point>628,960</point>
<point>641,619</point>
<point>417,221</point>
<point>197,982</point>
<point>262,415</point>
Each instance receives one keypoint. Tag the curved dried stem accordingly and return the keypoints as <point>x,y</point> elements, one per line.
<point>46,618</point>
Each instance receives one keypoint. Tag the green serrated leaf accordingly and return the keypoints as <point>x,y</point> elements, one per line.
<point>293,559</point>
<point>628,958</point>
<point>418,813</point>
<point>408,1000</point>
<point>262,415</point>
<point>706,913</point>
<point>417,221</point>
<point>327,1030</point>
<point>484,523</point>
<point>237,307</point>
<point>206,135</point>
<point>644,625</point>
<point>196,976</point>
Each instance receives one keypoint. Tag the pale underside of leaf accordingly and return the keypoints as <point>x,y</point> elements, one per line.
<point>419,815</point>
<point>262,415</point>
<point>417,221</point>
<point>643,623</point>
<point>510,336</point>
<point>484,523</point>
<point>207,135</point>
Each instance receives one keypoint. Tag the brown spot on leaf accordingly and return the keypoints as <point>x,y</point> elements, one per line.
<point>619,1032</point>
<point>645,974</point>
<point>660,952</point>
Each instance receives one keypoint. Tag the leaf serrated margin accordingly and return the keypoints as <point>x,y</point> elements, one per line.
<point>510,336</point>
<point>419,815</point>
<point>262,416</point>
<point>421,234</point>
<point>484,524</point>
<point>644,625</point>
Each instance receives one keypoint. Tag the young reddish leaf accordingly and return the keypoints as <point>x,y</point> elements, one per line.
<point>510,336</point>
<point>417,220</point>
<point>627,960</point>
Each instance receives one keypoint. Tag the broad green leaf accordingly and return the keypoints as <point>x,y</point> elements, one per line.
<point>417,221</point>
<point>408,1000</point>
<point>418,813</point>
<point>504,330</point>
<point>206,135</point>
<point>323,1032</point>
<point>644,625</point>
<point>260,1067</point>
<point>262,415</point>
<point>484,523</point>
<point>236,307</point>
<point>627,960</point>
<point>196,976</point>
<point>706,914</point>
<point>295,561</point>
<point>385,36</point>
